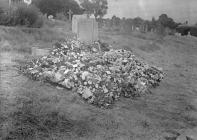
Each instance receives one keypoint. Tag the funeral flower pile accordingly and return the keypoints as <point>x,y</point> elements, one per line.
<point>100,75</point>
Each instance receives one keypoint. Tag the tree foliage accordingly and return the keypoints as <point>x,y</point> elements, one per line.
<point>138,21</point>
<point>27,16</point>
<point>96,7</point>
<point>52,7</point>
<point>23,15</point>
<point>115,21</point>
<point>166,21</point>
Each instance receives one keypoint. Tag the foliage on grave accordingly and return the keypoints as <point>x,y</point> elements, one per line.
<point>101,76</point>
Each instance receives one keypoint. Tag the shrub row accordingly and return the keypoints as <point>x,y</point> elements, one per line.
<point>23,15</point>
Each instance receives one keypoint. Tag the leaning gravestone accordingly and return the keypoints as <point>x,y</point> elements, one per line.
<point>85,28</point>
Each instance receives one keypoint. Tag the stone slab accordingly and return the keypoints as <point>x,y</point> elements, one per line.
<point>87,30</point>
<point>75,20</point>
<point>36,52</point>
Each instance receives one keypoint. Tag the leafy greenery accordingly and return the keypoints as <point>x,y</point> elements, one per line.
<point>96,7</point>
<point>4,18</point>
<point>24,15</point>
<point>167,21</point>
<point>53,7</point>
<point>28,16</point>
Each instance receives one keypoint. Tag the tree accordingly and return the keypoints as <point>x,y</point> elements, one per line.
<point>1,11</point>
<point>115,21</point>
<point>72,5</point>
<point>166,21</point>
<point>49,7</point>
<point>52,7</point>
<point>138,21</point>
<point>96,7</point>
<point>153,23</point>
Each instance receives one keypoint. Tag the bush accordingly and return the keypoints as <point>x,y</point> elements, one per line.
<point>161,30</point>
<point>1,11</point>
<point>28,16</point>
<point>24,15</point>
<point>4,19</point>
<point>61,16</point>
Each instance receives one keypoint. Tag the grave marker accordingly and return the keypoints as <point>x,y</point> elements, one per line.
<point>37,52</point>
<point>85,28</point>
<point>75,20</point>
<point>70,14</point>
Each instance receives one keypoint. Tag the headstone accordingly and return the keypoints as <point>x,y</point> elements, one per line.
<point>87,30</point>
<point>50,17</point>
<point>132,27</point>
<point>75,20</point>
<point>36,52</point>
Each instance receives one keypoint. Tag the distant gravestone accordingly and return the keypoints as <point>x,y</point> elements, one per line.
<point>70,14</point>
<point>85,28</point>
<point>50,17</point>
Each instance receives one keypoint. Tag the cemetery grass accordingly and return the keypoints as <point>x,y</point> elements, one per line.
<point>34,110</point>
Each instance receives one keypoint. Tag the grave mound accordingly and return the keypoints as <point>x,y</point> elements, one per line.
<point>100,75</point>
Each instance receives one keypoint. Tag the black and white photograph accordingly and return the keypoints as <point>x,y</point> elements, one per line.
<point>98,69</point>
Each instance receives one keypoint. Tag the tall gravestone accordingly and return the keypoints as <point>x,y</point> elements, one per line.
<point>85,28</point>
<point>75,20</point>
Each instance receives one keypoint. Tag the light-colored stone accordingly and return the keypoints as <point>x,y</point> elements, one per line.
<point>87,30</point>
<point>84,75</point>
<point>75,20</point>
<point>39,52</point>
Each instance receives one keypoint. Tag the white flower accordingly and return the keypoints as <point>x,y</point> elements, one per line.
<point>66,71</point>
<point>75,65</point>
<point>84,75</point>
<point>85,83</point>
<point>48,74</point>
<point>96,85</point>
<point>89,82</point>
<point>108,72</point>
<point>58,77</point>
<point>67,83</point>
<point>87,93</point>
<point>34,71</point>
<point>105,89</point>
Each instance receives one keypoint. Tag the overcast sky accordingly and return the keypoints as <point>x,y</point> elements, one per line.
<point>180,10</point>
